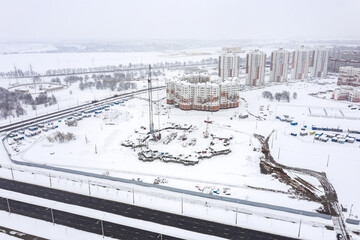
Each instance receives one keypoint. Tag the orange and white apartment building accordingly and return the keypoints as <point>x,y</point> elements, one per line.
<point>198,93</point>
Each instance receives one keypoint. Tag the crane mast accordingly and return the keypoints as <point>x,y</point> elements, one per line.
<point>151,121</point>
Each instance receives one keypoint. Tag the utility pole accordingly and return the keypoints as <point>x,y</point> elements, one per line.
<point>89,188</point>
<point>182,204</point>
<point>50,180</point>
<point>327,164</point>
<point>133,194</point>
<point>299,228</point>
<point>351,210</point>
<point>52,215</point>
<point>12,173</point>
<point>279,153</point>
<point>236,216</point>
<point>8,204</point>
<point>102,228</point>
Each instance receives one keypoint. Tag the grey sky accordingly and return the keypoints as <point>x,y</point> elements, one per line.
<point>111,20</point>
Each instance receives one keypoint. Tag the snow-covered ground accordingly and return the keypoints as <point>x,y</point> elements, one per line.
<point>240,169</point>
<point>249,217</point>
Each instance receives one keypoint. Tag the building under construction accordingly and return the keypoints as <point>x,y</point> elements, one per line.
<point>198,93</point>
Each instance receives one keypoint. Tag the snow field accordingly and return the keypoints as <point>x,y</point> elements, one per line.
<point>240,168</point>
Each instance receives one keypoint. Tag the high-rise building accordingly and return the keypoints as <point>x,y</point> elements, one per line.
<point>300,63</point>
<point>279,65</point>
<point>229,63</point>
<point>321,59</point>
<point>255,68</point>
<point>311,58</point>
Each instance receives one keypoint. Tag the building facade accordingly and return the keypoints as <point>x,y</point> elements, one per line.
<point>343,58</point>
<point>349,76</point>
<point>321,59</point>
<point>255,68</point>
<point>203,95</point>
<point>347,94</point>
<point>229,63</point>
<point>300,64</point>
<point>279,65</point>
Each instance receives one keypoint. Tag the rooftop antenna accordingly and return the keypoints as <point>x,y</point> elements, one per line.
<point>151,121</point>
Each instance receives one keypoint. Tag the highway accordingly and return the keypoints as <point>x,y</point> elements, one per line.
<point>83,223</point>
<point>19,234</point>
<point>126,210</point>
<point>68,111</point>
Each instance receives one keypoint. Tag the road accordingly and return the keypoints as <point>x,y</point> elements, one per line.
<point>126,210</point>
<point>19,234</point>
<point>83,223</point>
<point>64,112</point>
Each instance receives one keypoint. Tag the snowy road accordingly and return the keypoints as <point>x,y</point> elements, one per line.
<point>197,226</point>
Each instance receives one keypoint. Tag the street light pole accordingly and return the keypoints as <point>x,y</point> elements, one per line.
<point>182,204</point>
<point>102,228</point>
<point>89,188</point>
<point>12,173</point>
<point>299,226</point>
<point>52,216</point>
<point>50,180</point>
<point>8,204</point>
<point>133,196</point>
<point>236,216</point>
<point>327,164</point>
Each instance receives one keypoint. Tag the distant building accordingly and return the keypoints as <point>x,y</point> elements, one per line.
<point>300,64</point>
<point>341,58</point>
<point>311,58</point>
<point>321,59</point>
<point>188,94</point>
<point>349,76</point>
<point>279,65</point>
<point>341,94</point>
<point>255,68</point>
<point>229,63</point>
<point>347,94</point>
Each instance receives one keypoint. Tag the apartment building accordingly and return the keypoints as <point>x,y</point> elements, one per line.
<point>279,65</point>
<point>255,68</point>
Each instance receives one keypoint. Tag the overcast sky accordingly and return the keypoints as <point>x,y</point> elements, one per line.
<point>113,20</point>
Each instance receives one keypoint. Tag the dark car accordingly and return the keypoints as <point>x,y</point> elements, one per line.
<point>339,236</point>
